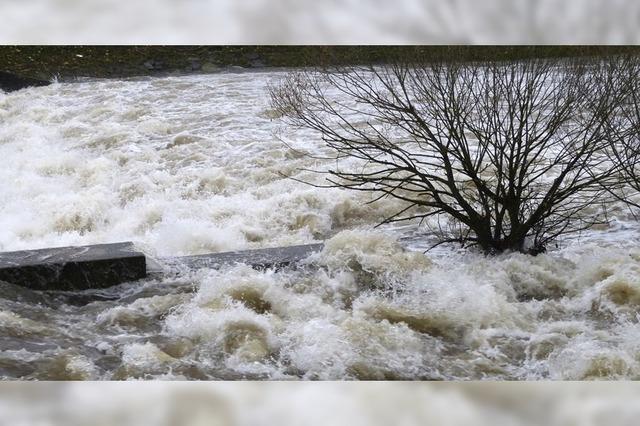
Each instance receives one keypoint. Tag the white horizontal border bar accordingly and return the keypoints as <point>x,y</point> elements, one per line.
<point>319,22</point>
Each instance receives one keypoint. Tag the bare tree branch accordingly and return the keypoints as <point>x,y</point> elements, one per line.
<point>509,156</point>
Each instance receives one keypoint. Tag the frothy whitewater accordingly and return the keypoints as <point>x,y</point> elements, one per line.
<point>190,165</point>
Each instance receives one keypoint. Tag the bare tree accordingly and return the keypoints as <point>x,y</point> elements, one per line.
<point>624,151</point>
<point>505,156</point>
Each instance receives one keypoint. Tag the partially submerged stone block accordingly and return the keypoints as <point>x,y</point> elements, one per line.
<point>260,258</point>
<point>73,268</point>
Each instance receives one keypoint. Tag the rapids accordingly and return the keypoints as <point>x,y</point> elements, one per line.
<point>195,164</point>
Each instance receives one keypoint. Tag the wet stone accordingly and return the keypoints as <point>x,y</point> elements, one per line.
<point>73,268</point>
<point>259,259</point>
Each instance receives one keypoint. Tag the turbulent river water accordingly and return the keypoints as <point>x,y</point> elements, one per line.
<point>196,164</point>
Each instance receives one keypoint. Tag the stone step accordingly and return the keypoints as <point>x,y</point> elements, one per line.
<point>73,268</point>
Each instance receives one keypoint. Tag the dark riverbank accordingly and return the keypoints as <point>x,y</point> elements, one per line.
<point>10,82</point>
<point>68,62</point>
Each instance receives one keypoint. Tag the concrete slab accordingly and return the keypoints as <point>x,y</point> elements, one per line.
<point>73,268</point>
<point>277,257</point>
